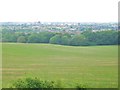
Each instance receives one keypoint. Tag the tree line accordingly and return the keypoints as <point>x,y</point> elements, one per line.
<point>85,38</point>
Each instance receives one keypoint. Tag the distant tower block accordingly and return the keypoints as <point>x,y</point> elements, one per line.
<point>78,27</point>
<point>39,23</point>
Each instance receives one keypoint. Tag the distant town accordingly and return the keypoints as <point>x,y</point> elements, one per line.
<point>67,27</point>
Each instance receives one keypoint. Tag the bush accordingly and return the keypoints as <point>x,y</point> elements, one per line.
<point>81,87</point>
<point>33,83</point>
<point>23,84</point>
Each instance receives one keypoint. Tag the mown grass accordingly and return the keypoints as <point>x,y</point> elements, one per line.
<point>95,66</point>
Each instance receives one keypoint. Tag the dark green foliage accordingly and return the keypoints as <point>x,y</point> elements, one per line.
<point>65,40</point>
<point>9,37</point>
<point>81,87</point>
<point>33,83</point>
<point>84,39</point>
<point>118,37</point>
<point>55,39</point>
<point>78,40</point>
<point>21,39</point>
<point>45,36</point>
<point>42,37</point>
<point>33,38</point>
<point>102,38</point>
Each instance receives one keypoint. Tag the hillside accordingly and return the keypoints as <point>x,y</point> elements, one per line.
<point>95,66</point>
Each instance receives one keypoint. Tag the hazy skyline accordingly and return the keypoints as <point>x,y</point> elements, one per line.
<point>59,10</point>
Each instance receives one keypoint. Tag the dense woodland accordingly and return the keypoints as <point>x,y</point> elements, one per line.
<point>85,38</point>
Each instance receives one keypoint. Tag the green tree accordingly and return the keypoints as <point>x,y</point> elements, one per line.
<point>9,37</point>
<point>55,39</point>
<point>102,37</point>
<point>33,38</point>
<point>45,37</point>
<point>78,40</point>
<point>65,40</point>
<point>21,39</point>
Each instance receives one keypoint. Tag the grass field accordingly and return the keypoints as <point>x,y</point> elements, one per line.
<point>95,66</point>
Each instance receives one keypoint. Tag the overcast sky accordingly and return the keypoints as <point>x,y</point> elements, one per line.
<point>59,10</point>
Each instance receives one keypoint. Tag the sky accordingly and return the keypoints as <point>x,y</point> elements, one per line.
<point>59,10</point>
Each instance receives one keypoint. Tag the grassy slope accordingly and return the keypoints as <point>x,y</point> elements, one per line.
<point>95,66</point>
<point>0,65</point>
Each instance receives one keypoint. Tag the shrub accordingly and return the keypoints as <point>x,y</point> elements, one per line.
<point>33,83</point>
<point>81,87</point>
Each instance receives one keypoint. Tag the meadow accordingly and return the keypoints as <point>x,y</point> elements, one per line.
<point>94,66</point>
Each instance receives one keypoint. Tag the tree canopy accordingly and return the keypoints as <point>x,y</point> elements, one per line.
<point>85,38</point>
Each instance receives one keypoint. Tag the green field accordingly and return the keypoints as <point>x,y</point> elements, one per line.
<point>94,66</point>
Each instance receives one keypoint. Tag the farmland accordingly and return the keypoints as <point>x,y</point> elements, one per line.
<point>94,66</point>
